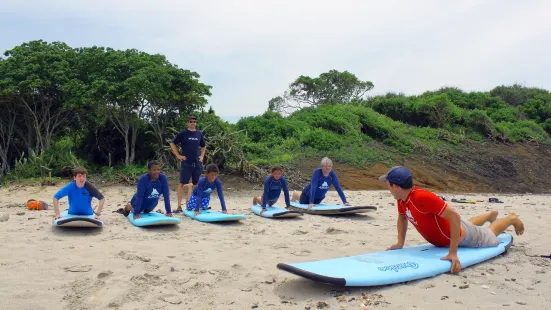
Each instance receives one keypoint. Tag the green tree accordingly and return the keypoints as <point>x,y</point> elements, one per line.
<point>36,73</point>
<point>332,87</point>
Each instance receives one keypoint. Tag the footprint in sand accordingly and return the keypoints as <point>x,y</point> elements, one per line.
<point>4,217</point>
<point>129,256</point>
<point>83,268</point>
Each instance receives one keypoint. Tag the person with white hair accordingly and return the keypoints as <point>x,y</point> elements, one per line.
<point>322,179</point>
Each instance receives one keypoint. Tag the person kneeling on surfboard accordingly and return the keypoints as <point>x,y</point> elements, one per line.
<point>438,223</point>
<point>322,179</point>
<point>272,189</point>
<point>80,193</point>
<point>200,197</point>
<point>151,186</point>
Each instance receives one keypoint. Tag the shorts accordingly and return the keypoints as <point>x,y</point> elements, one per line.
<point>192,203</point>
<point>146,210</point>
<point>305,199</point>
<point>191,170</point>
<point>478,236</point>
<point>270,202</point>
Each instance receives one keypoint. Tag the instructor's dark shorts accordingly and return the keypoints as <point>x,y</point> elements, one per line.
<point>190,170</point>
<point>305,199</point>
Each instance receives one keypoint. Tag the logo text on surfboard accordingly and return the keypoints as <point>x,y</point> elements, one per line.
<point>399,266</point>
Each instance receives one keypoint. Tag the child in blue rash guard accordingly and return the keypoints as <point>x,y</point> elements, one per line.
<point>272,190</point>
<point>200,197</point>
<point>150,187</point>
<point>80,193</point>
<point>322,179</point>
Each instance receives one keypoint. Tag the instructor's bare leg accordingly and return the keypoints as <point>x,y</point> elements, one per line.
<point>180,196</point>
<point>500,225</point>
<point>189,187</point>
<point>482,219</point>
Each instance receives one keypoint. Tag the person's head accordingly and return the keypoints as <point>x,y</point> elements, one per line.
<point>277,171</point>
<point>212,172</point>
<point>154,169</point>
<point>191,122</point>
<point>326,166</point>
<point>399,182</point>
<point>79,175</point>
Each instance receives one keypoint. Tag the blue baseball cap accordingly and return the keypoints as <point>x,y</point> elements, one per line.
<point>397,175</point>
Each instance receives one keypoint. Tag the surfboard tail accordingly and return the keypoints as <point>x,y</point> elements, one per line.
<point>311,276</point>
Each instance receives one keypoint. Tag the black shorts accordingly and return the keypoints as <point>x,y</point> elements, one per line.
<point>305,199</point>
<point>190,170</point>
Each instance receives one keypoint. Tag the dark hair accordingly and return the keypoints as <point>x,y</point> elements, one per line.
<point>277,168</point>
<point>79,170</point>
<point>190,117</point>
<point>407,185</point>
<point>152,163</point>
<point>212,168</point>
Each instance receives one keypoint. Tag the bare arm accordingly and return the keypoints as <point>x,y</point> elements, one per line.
<point>174,149</point>
<point>203,149</point>
<point>100,207</point>
<point>402,226</point>
<point>455,228</point>
<point>56,208</point>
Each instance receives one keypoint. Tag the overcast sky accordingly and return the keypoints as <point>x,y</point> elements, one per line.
<point>250,51</point>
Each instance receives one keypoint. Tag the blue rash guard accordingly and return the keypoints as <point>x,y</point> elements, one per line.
<point>147,196</point>
<point>320,184</point>
<point>80,199</point>
<point>204,189</point>
<point>272,190</point>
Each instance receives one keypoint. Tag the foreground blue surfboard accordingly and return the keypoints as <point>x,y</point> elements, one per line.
<point>275,212</point>
<point>153,219</point>
<point>209,216</point>
<point>390,267</point>
<point>331,209</point>
<point>71,220</point>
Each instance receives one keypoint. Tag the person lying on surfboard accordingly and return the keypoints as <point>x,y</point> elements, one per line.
<point>151,186</point>
<point>80,193</point>
<point>438,223</point>
<point>200,197</point>
<point>322,179</point>
<point>272,189</point>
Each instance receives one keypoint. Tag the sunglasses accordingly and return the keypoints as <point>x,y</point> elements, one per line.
<point>192,121</point>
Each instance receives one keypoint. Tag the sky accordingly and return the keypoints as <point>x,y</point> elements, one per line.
<point>250,51</point>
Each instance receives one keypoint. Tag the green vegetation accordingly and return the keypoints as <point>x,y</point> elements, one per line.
<point>112,111</point>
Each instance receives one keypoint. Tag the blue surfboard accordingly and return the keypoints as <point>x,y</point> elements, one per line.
<point>72,220</point>
<point>391,267</point>
<point>209,216</point>
<point>275,212</point>
<point>153,219</point>
<point>330,209</point>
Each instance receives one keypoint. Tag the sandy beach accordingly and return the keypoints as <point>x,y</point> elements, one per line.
<point>233,266</point>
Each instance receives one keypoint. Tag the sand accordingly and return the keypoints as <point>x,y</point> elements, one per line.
<point>233,266</point>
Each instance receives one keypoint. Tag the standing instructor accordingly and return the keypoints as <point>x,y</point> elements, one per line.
<point>190,141</point>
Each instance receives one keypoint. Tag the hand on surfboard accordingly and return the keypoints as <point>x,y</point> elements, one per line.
<point>310,206</point>
<point>456,265</point>
<point>225,211</point>
<point>263,210</point>
<point>169,214</point>
<point>57,217</point>
<point>137,216</point>
<point>347,204</point>
<point>197,213</point>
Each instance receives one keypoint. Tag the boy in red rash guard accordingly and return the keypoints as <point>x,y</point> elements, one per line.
<point>438,223</point>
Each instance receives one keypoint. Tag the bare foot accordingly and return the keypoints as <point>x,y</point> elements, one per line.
<point>517,223</point>
<point>493,217</point>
